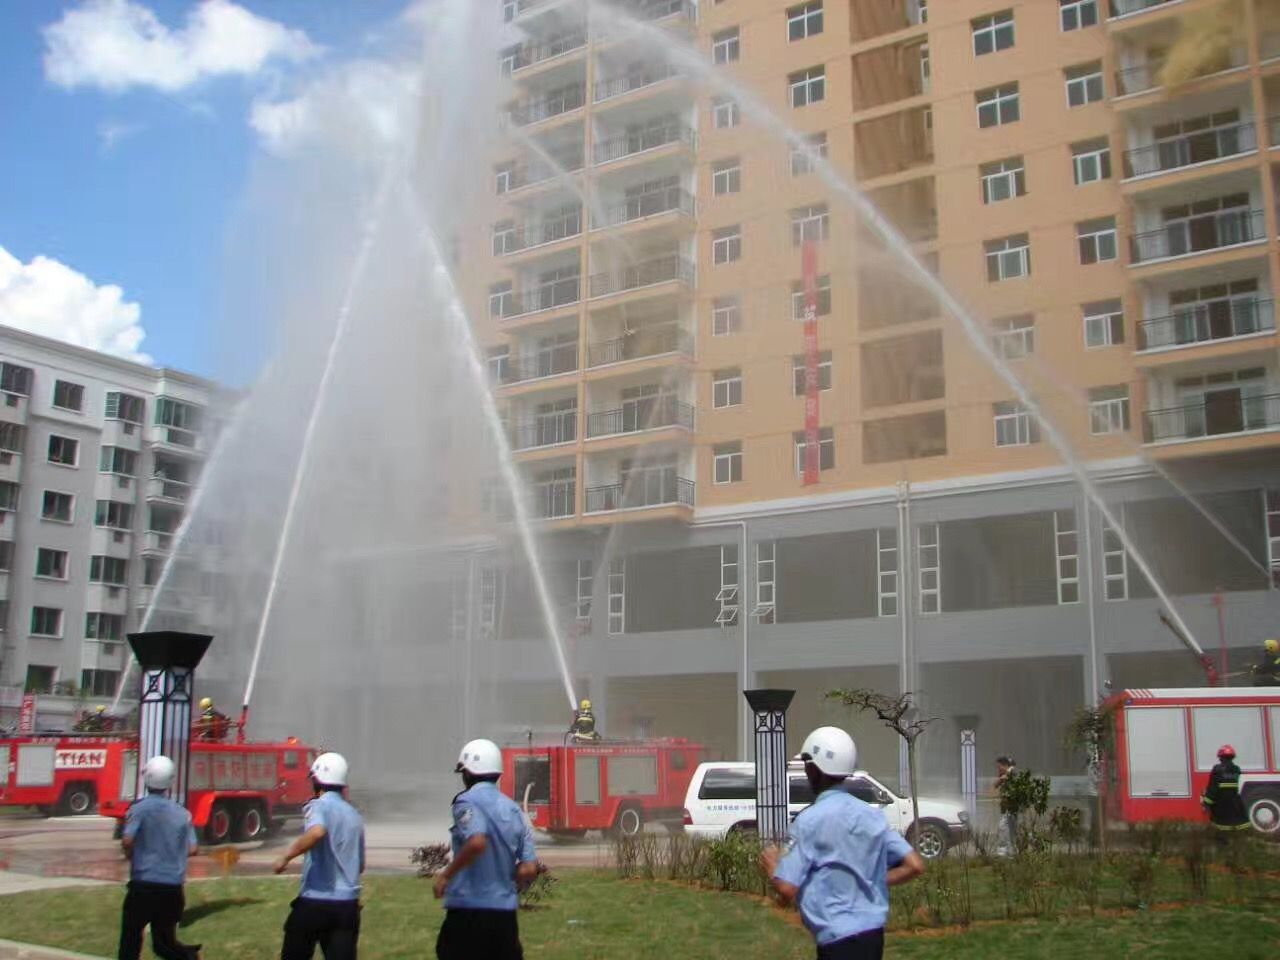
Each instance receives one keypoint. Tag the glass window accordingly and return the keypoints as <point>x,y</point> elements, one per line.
<point>726,245</point>
<point>1157,747</point>
<point>804,21</point>
<point>726,388</point>
<point>725,46</point>
<point>720,784</point>
<point>803,154</point>
<point>1091,161</point>
<point>1108,410</point>
<point>51,563</point>
<point>586,776</point>
<point>826,449</point>
<point>727,462</point>
<point>1008,258</point>
<point>807,86</point>
<point>997,105</point>
<point>1103,323</point>
<point>810,223</point>
<point>1015,427</point>
<point>1014,337</point>
<point>68,395</point>
<point>57,506</point>
<point>1078,14</point>
<point>726,316</point>
<point>1239,726</point>
<point>1096,240</point>
<point>63,450</point>
<point>46,622</point>
<point>1084,84</point>
<point>726,176</point>
<point>1003,180</point>
<point>725,113</point>
<point>799,367</point>
<point>798,298</point>
<point>993,33</point>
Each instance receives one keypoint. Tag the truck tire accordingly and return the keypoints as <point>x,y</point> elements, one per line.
<point>251,823</point>
<point>630,822</point>
<point>1264,814</point>
<point>930,839</point>
<point>77,799</point>
<point>218,829</point>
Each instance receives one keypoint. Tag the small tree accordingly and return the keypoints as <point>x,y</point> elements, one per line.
<point>899,714</point>
<point>1091,732</point>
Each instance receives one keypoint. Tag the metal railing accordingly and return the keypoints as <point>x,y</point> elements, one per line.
<point>645,342</point>
<point>553,499</point>
<point>530,54</point>
<point>1197,234</point>
<point>660,9</point>
<point>544,430</point>
<point>638,141</point>
<point>1207,321</point>
<point>1147,75</point>
<point>539,171</point>
<point>1219,417</point>
<point>644,274</point>
<point>644,205</point>
<point>525,236</point>
<point>1201,146</point>
<point>634,80</point>
<point>547,296</point>
<point>524,6</point>
<point>549,105</point>
<point>645,413</point>
<point>642,488</point>
<point>1125,7</point>
<point>547,362</point>
<point>165,488</point>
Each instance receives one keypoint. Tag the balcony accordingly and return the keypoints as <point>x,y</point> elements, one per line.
<point>635,416</point>
<point>106,597</point>
<point>623,84</point>
<point>641,141</point>
<point>517,238</point>
<point>157,541</point>
<point>544,430</point>
<point>1125,8</point>
<point>642,343</point>
<point>1199,234</point>
<point>16,406</point>
<point>1208,322</point>
<point>523,8</point>
<point>1223,413</point>
<point>531,54</point>
<point>554,104</point>
<point>109,541</point>
<point>641,488</point>
<point>1202,146</point>
<point>548,296</point>
<point>553,499</point>
<point>645,205</point>
<point>1146,76</point>
<point>546,362</point>
<point>171,491</point>
<point>122,433</point>
<point>10,466</point>
<point>538,171</point>
<point>648,273</point>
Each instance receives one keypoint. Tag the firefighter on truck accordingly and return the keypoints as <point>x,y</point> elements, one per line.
<point>584,723</point>
<point>213,724</point>
<point>96,722</point>
<point>1266,672</point>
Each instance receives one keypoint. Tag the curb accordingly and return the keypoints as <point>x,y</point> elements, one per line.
<point>14,950</point>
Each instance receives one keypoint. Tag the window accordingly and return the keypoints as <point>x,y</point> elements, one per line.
<point>12,436</point>
<point>504,178</point>
<point>1078,14</point>
<point>103,626</point>
<point>1014,337</point>
<point>725,113</point>
<point>993,33</point>
<point>99,683</point>
<point>726,245</point>
<point>823,284</point>
<point>803,154</point>
<point>808,86</point>
<point>585,588</point>
<point>109,570</point>
<point>1066,547</point>
<point>51,563</point>
<point>57,506</point>
<point>1103,323</point>
<point>725,46</point>
<point>502,301</point>
<point>726,176</point>
<point>63,450</point>
<point>921,12</point>
<point>1014,425</point>
<point>929,567</point>
<point>925,68</point>
<point>15,379</point>
<point>617,596</point>
<point>997,105</point>
<point>799,366</point>
<point>1115,565</point>
<point>887,572</point>
<point>46,622</point>
<point>1008,258</point>
<point>728,462</point>
<point>125,406</point>
<point>804,21</point>
<point>504,237</point>
<point>726,388</point>
<point>1091,161</point>
<point>1003,180</point>
<point>726,316</point>
<point>118,460</point>
<point>1096,240</point>
<point>179,415</point>
<point>114,514</point>
<point>1108,410</point>
<point>499,363</point>
<point>826,449</point>
<point>6,555</point>
<point>766,581</point>
<point>40,679</point>
<point>1084,84</point>
<point>9,493</point>
<point>68,395</point>
<point>809,223</point>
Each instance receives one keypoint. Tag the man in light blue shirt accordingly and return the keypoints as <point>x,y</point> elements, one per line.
<point>493,853</point>
<point>327,909</point>
<point>842,857</point>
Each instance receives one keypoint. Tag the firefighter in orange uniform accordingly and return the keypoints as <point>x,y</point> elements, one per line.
<point>1221,799</point>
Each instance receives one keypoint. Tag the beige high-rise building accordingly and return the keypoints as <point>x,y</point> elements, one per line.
<point>1091,179</point>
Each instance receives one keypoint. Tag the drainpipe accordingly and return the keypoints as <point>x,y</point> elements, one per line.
<point>1085,545</point>
<point>906,599</point>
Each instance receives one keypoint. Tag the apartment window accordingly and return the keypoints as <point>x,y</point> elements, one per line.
<point>99,683</point>
<point>1115,565</point>
<point>617,596</point>
<point>728,462</point>
<point>12,436</point>
<point>179,415</point>
<point>1014,337</point>
<point>51,563</point>
<point>1015,426</point>
<point>726,388</point>
<point>504,176</point>
<point>1271,502</point>
<point>1108,410</point>
<point>1096,240</point>
<point>9,492</point>
<point>725,46</point>
<point>57,506</point>
<point>118,460</point>
<point>46,622</point>
<point>1008,258</point>
<point>766,581</point>
<point>499,363</point>
<point>993,33</point>
<point>726,245</point>
<point>501,300</point>
<point>586,586</point>
<point>103,626</point>
<point>807,86</point>
<point>823,285</point>
<point>15,380</point>
<point>799,365</point>
<point>726,316</point>
<point>1103,323</point>
<point>726,176</point>
<point>804,154</point>
<point>1084,84</point>
<point>725,113</point>
<point>804,21</point>
<point>125,406</point>
<point>1078,14</point>
<point>1003,180</point>
<point>887,572</point>
<point>1091,161</point>
<point>68,395</point>
<point>727,595</point>
<point>921,12</point>
<point>809,223</point>
<point>6,556</point>
<point>925,69</point>
<point>113,514</point>
<point>63,450</point>
<point>40,679</point>
<point>109,570</point>
<point>1066,548</point>
<point>997,105</point>
<point>826,449</point>
<point>929,567</point>
<point>504,237</point>
<point>151,567</point>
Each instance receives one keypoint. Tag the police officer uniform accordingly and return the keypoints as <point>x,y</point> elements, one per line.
<point>327,908</point>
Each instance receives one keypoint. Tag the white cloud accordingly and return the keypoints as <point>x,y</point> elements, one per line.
<point>119,44</point>
<point>113,132</point>
<point>53,300</point>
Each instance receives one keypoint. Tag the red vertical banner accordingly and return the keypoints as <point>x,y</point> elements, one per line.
<point>812,451</point>
<point>27,718</point>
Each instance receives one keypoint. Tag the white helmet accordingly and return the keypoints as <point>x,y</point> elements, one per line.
<point>158,773</point>
<point>480,758</point>
<point>330,770</point>
<point>832,751</point>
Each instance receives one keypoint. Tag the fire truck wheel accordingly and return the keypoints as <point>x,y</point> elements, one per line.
<point>1264,814</point>
<point>77,800</point>
<point>218,829</point>
<point>629,823</point>
<point>251,824</point>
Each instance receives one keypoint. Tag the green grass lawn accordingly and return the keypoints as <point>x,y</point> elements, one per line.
<point>594,915</point>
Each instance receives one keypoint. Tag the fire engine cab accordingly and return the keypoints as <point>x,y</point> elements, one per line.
<point>58,773</point>
<point>611,785</point>
<point>1165,742</point>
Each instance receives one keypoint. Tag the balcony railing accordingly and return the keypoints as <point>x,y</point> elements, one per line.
<point>547,362</point>
<point>526,236</point>
<point>635,80</point>
<point>553,499</point>
<point>1210,231</point>
<point>646,413</point>
<point>525,6</point>
<point>547,296</point>
<point>1125,7</point>
<point>530,54</point>
<point>645,274</point>
<point>551,105</point>
<point>167,489</point>
<point>642,488</point>
<point>1199,147</point>
<point>545,430</point>
<point>1207,322</point>
<point>645,342</point>
<point>540,171</point>
<point>1147,75</point>
<point>638,141</point>
<point>651,204</point>
<point>1221,414</point>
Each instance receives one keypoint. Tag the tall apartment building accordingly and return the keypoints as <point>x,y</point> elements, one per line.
<point>98,458</point>
<point>1104,202</point>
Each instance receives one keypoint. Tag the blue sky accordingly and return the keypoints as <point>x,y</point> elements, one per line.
<point>136,186</point>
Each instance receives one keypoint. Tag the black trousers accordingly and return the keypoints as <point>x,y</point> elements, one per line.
<point>332,924</point>
<point>161,906</point>
<point>475,934</point>
<point>863,946</point>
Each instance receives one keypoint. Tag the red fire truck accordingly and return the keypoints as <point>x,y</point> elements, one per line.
<point>1165,742</point>
<point>612,785</point>
<point>57,773</point>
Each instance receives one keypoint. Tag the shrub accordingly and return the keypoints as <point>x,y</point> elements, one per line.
<point>430,859</point>
<point>1066,825</point>
<point>538,890</point>
<point>734,863</point>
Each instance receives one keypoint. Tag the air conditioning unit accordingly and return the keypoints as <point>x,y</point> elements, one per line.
<point>128,428</point>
